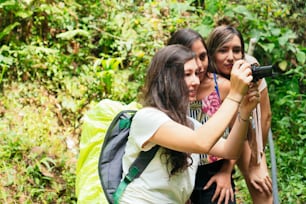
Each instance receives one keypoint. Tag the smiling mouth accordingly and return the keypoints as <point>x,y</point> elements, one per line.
<point>228,66</point>
<point>192,93</point>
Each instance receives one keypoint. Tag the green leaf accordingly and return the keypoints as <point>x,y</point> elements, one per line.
<point>7,30</point>
<point>7,3</point>
<point>204,30</point>
<point>275,31</point>
<point>24,13</point>
<point>41,49</point>
<point>300,56</point>
<point>268,47</point>
<point>111,63</point>
<point>283,65</point>
<point>286,37</point>
<point>71,34</point>
<point>69,103</point>
<point>6,60</point>
<point>244,11</point>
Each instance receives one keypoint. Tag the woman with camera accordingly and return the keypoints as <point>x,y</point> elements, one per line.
<point>171,83</point>
<point>226,46</point>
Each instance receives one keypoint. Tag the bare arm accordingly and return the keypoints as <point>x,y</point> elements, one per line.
<point>265,114</point>
<point>265,124</point>
<point>180,138</point>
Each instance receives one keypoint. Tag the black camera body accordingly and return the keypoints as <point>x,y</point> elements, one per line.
<point>259,72</point>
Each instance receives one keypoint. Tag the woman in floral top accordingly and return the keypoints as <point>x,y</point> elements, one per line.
<point>214,182</point>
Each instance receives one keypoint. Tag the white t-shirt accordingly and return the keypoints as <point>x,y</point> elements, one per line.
<point>154,185</point>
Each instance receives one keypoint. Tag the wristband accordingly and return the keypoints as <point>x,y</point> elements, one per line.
<point>232,99</point>
<point>242,119</point>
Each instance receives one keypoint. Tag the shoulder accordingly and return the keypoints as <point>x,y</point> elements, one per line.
<point>224,86</point>
<point>150,111</point>
<point>145,123</point>
<point>150,116</point>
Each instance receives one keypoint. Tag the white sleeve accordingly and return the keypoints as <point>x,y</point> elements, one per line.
<point>145,123</point>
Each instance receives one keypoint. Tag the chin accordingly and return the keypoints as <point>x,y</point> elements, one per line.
<point>192,99</point>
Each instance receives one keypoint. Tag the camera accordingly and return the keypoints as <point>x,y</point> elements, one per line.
<point>259,72</point>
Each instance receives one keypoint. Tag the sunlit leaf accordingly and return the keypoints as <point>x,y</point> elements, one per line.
<point>8,29</point>
<point>286,37</point>
<point>243,10</point>
<point>268,47</point>
<point>24,13</point>
<point>283,65</point>
<point>7,3</point>
<point>275,31</point>
<point>300,56</point>
<point>71,34</point>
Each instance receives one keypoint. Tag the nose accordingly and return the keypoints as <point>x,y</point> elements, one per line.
<point>230,55</point>
<point>195,80</point>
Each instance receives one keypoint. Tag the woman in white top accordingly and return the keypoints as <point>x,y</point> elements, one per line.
<point>171,82</point>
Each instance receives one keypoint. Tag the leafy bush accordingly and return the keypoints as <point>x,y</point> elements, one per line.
<point>58,57</point>
<point>37,166</point>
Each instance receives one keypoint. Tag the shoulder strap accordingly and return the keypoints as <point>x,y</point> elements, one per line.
<point>135,170</point>
<point>216,85</point>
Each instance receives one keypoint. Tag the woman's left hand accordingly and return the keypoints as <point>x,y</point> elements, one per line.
<point>250,100</point>
<point>259,178</point>
<point>224,190</point>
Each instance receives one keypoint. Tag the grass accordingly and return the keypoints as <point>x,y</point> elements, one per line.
<point>37,165</point>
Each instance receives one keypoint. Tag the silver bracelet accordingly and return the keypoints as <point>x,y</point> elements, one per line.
<point>242,119</point>
<point>232,99</point>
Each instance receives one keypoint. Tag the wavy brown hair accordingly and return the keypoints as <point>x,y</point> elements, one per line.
<point>217,38</point>
<point>166,90</point>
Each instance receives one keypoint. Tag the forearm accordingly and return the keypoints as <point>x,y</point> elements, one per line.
<point>228,166</point>
<point>244,159</point>
<point>225,114</point>
<point>265,115</point>
<point>236,138</point>
<point>265,125</point>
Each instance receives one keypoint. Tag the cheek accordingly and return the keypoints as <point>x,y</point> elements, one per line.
<point>237,57</point>
<point>187,81</point>
<point>205,64</point>
<point>201,76</point>
<point>219,61</point>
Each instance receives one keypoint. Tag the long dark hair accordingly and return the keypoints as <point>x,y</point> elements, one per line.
<point>187,37</point>
<point>217,38</point>
<point>166,90</point>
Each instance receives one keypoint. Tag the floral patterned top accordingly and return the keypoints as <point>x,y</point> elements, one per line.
<point>202,110</point>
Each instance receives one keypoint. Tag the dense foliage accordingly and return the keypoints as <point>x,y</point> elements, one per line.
<point>57,58</point>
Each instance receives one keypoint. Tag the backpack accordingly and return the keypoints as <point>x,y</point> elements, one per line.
<point>110,160</point>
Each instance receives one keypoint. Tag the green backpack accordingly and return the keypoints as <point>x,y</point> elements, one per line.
<point>112,151</point>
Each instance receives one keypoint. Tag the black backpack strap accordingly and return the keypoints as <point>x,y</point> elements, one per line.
<point>137,167</point>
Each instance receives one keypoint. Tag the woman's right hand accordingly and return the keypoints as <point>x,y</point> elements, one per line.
<point>250,100</point>
<point>241,76</point>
